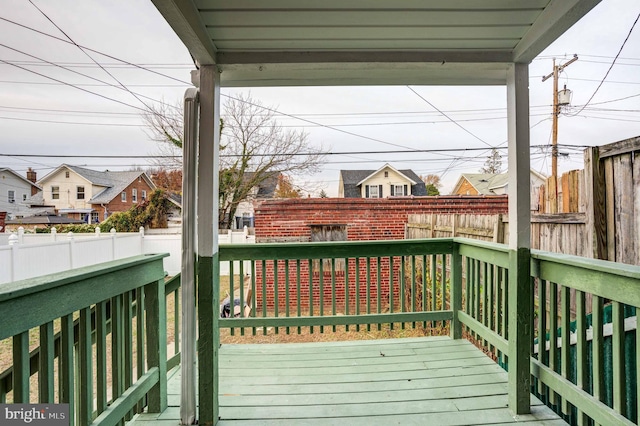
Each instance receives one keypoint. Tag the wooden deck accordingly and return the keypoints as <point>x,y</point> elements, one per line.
<point>421,381</point>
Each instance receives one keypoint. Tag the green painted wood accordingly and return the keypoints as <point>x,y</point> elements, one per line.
<point>128,340</point>
<point>253,295</point>
<point>298,307</point>
<point>565,322</point>
<point>346,292</point>
<point>482,330</point>
<point>46,357</point>
<point>310,287</point>
<point>321,291</point>
<point>140,332</point>
<point>117,344</point>
<point>101,355</point>
<point>21,368</point>
<point>618,361</point>
<point>129,398</point>
<point>423,274</point>
<point>156,337</point>
<point>595,409</point>
<point>43,299</point>
<point>379,288</point>
<point>333,291</point>
<point>230,292</point>
<point>176,320</point>
<point>456,294</point>
<point>553,327</point>
<point>495,254</point>
<point>443,284</point>
<point>615,281</point>
<point>66,367</point>
<point>208,340</point>
<point>345,320</point>
<point>368,291</point>
<point>434,283</point>
<point>520,324</point>
<point>286,289</point>
<point>264,293</point>
<point>328,250</point>
<point>276,298</point>
<point>543,356</point>
<point>85,361</point>
<point>357,294</point>
<point>597,347</point>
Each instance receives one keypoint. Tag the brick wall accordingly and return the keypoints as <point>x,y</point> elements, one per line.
<point>290,220</point>
<point>117,205</point>
<point>3,217</point>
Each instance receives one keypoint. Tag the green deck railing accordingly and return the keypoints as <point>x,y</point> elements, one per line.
<point>571,336</point>
<point>95,328</point>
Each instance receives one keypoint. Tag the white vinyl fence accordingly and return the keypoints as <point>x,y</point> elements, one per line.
<point>30,255</point>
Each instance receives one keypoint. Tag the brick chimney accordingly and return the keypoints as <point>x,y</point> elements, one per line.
<point>3,216</point>
<point>31,176</point>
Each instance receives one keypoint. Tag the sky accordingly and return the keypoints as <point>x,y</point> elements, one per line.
<point>43,119</point>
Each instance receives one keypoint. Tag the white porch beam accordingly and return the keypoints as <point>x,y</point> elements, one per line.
<point>184,18</point>
<point>556,18</point>
<point>519,299</point>
<point>188,283</point>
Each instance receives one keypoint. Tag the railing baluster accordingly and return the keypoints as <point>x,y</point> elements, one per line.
<point>67,366</point>
<point>232,298</point>
<point>265,301</point>
<point>117,370</point>
<point>85,364</point>
<point>242,290</point>
<point>434,283</point>
<point>321,290</point>
<point>378,289</point>
<point>298,291</point>
<point>368,290</point>
<point>413,288</point>
<point>21,368</point>
<point>346,290</point>
<point>276,298</point>
<point>333,289</point>
<point>476,291</point>
<point>101,354</point>
<point>499,313</point>
<point>176,318</point>
<point>542,329</point>
<point>582,376</point>
<point>45,364</point>
<point>310,290</point>
<point>424,287</point>
<point>553,334</point>
<point>618,362</point>
<point>357,289</point>
<point>391,299</point>
<point>403,294</point>
<point>597,347</point>
<point>565,319</point>
<point>128,343</point>
<point>286,289</point>
<point>254,295</point>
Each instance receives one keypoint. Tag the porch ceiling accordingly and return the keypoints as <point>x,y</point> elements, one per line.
<point>368,42</point>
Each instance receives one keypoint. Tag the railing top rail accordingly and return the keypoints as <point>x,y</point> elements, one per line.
<point>503,248</point>
<point>596,265</point>
<point>28,286</point>
<point>334,249</point>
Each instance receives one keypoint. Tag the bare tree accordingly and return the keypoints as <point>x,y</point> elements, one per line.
<point>493,165</point>
<point>253,149</point>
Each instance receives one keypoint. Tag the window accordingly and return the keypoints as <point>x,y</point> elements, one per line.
<point>80,192</point>
<point>12,196</point>
<point>373,191</point>
<point>386,174</point>
<point>144,195</point>
<point>134,195</point>
<point>66,174</point>
<point>24,197</point>
<point>55,192</point>
<point>399,190</point>
<point>123,197</point>
<point>95,217</point>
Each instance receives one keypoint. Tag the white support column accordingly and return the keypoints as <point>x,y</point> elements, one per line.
<point>519,299</point>
<point>208,267</point>
<point>188,281</point>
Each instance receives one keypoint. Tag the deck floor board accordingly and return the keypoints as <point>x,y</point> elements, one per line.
<point>382,382</point>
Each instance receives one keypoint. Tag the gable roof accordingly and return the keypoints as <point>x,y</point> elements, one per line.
<point>113,181</point>
<point>413,182</point>
<point>486,183</point>
<point>351,180</point>
<point>19,176</point>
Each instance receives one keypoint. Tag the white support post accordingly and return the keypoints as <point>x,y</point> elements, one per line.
<point>520,292</point>
<point>188,285</point>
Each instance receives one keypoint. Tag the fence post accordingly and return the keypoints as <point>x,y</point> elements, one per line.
<point>141,232</point>
<point>13,242</point>
<point>21,234</point>
<point>54,234</point>
<point>456,291</point>
<point>71,250</point>
<point>113,243</point>
<point>97,231</point>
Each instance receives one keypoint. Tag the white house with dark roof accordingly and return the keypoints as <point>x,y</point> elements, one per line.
<point>387,181</point>
<point>14,191</point>
<point>92,195</point>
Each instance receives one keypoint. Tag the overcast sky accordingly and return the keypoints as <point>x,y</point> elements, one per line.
<point>41,116</point>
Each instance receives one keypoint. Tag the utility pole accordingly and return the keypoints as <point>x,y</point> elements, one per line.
<point>557,69</point>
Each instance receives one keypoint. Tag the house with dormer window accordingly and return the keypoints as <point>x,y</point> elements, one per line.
<point>91,195</point>
<point>385,182</point>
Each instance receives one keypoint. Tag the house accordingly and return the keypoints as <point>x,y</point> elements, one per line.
<point>387,181</point>
<point>245,213</point>
<point>495,184</point>
<point>92,195</point>
<point>15,190</point>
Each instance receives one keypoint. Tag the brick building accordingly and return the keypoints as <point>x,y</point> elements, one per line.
<point>347,219</point>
